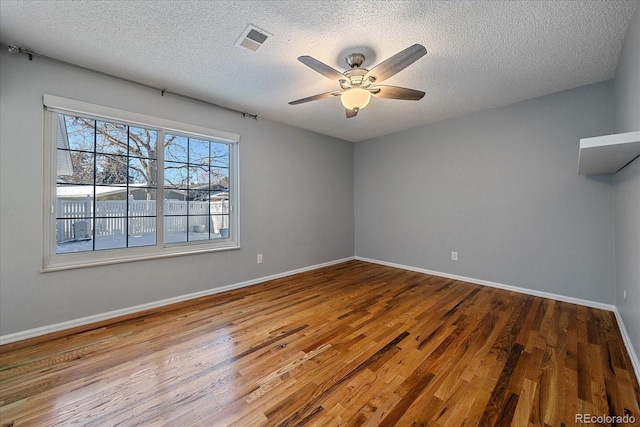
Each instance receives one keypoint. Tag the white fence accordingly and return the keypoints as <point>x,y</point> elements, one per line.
<point>111,216</point>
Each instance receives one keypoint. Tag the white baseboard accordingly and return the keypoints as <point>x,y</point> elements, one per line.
<point>627,342</point>
<point>608,307</point>
<point>593,304</point>
<point>31,333</point>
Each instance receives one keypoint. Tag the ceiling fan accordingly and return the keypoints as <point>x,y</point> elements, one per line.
<point>358,84</point>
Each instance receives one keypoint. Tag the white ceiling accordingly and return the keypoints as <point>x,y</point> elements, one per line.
<point>481,54</point>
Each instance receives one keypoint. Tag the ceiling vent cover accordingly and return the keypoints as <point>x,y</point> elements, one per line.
<point>252,38</point>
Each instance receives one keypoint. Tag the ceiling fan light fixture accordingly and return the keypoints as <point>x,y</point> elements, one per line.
<point>355,99</point>
<point>356,83</point>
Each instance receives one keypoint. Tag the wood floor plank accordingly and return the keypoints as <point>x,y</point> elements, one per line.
<point>351,344</point>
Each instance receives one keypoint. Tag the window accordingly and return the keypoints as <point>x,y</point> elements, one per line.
<point>199,169</point>
<point>106,193</point>
<point>122,186</point>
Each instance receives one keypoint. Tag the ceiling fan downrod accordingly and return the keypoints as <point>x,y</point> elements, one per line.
<point>355,60</point>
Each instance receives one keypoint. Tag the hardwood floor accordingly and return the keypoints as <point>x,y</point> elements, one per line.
<point>351,344</point>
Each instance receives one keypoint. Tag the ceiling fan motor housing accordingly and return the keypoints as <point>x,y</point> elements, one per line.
<point>356,78</point>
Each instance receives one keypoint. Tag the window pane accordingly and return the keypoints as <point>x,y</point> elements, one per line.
<point>198,207</point>
<point>171,195</point>
<point>110,217</point>
<point>200,228</point>
<point>70,192</point>
<point>143,193</point>
<point>80,170</point>
<point>175,228</point>
<point>143,142</point>
<point>74,210</point>
<point>175,148</point>
<point>76,133</point>
<point>139,237</point>
<point>175,207</point>
<point>142,217</point>
<point>219,179</point>
<point>111,202</point>
<point>111,138</point>
<point>198,151</point>
<point>219,154</point>
<point>221,223</point>
<point>111,169</point>
<point>175,217</point>
<point>111,233</point>
<point>200,194</point>
<point>75,235</point>
<point>198,176</point>
<point>142,171</point>
<point>176,175</point>
<point>74,201</point>
<point>142,202</point>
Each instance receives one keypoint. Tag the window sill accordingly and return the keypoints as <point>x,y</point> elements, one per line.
<point>59,264</point>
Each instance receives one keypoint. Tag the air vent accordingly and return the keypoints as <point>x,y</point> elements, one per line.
<point>252,38</point>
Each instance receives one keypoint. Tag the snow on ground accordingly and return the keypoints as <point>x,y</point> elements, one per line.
<point>113,242</point>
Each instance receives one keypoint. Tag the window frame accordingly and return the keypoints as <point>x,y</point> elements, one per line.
<point>52,261</point>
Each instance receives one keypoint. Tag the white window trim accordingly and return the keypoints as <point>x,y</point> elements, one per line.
<point>55,262</point>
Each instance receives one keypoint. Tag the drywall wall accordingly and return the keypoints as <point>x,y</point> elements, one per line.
<point>627,80</point>
<point>627,247</point>
<point>296,202</point>
<point>501,188</point>
<point>627,186</point>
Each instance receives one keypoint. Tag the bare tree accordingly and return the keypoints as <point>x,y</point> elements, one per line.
<point>128,154</point>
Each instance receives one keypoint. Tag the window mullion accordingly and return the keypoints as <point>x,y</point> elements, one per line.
<point>127,220</point>
<point>95,189</point>
<point>160,188</point>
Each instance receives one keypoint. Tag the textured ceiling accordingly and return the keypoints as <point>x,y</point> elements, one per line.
<point>481,54</point>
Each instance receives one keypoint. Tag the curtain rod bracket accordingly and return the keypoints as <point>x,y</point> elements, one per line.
<point>16,49</point>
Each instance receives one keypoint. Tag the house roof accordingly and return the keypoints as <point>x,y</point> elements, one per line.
<point>80,191</point>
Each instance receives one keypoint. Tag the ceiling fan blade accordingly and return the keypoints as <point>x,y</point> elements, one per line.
<point>396,63</point>
<point>394,92</point>
<point>350,113</point>
<point>315,97</point>
<point>321,68</point>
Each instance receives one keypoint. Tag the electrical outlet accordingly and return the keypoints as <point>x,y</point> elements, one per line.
<point>259,258</point>
<point>454,256</point>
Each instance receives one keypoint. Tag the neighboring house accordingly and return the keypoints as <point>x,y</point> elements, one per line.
<point>65,166</point>
<point>138,191</point>
<point>76,192</point>
<point>209,192</point>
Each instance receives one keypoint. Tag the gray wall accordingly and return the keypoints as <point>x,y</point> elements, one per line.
<point>501,188</point>
<point>627,80</point>
<point>296,200</point>
<point>627,186</point>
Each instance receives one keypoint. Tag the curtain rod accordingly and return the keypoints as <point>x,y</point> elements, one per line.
<point>17,50</point>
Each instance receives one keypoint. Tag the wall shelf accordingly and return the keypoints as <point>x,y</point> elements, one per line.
<point>608,153</point>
